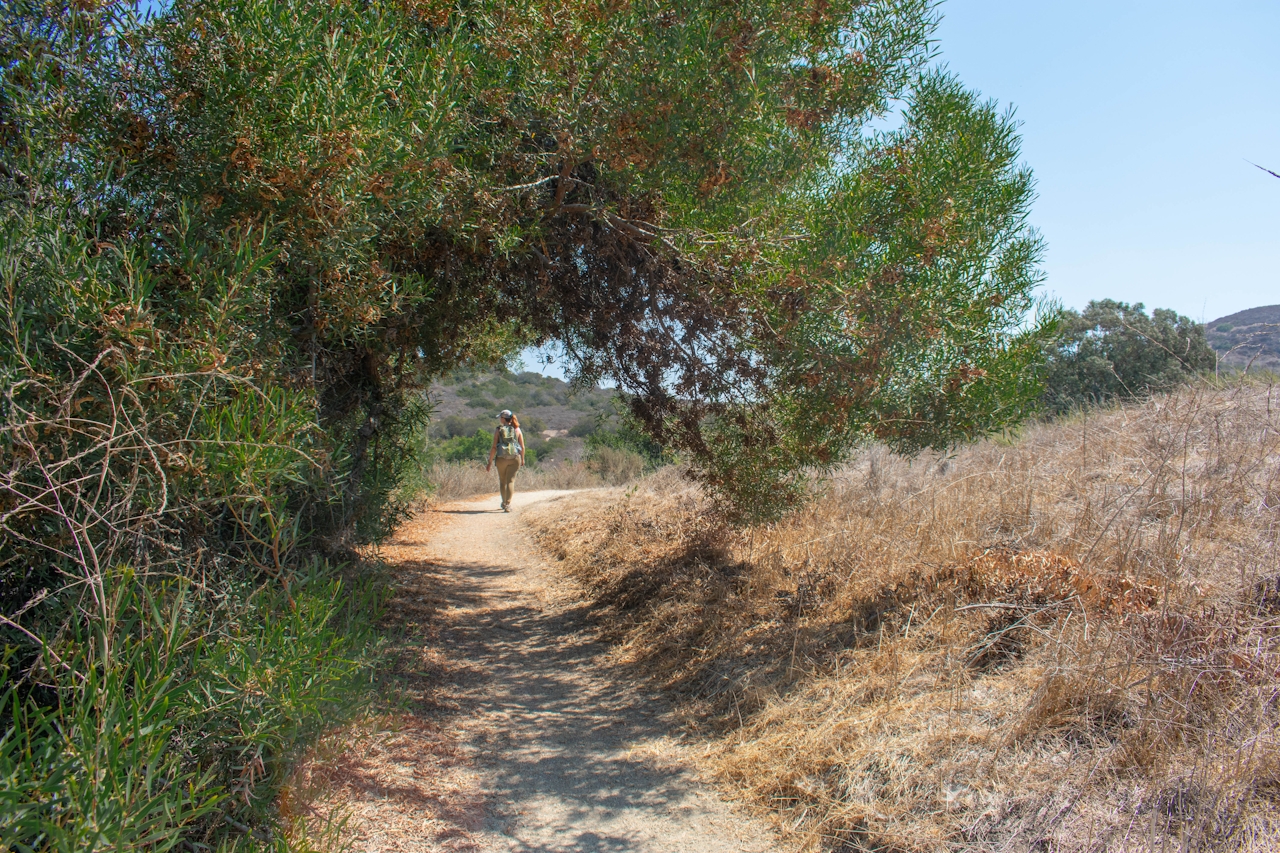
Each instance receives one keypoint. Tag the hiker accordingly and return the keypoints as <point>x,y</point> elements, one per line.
<point>508,446</point>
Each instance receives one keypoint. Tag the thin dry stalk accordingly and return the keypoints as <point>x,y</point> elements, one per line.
<point>96,483</point>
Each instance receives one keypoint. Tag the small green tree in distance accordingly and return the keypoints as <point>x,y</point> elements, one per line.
<point>1113,350</point>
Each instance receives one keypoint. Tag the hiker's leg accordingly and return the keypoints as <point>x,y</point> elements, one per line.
<point>511,480</point>
<point>504,477</point>
<point>507,467</point>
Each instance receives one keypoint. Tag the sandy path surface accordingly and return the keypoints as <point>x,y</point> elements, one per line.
<point>522,736</point>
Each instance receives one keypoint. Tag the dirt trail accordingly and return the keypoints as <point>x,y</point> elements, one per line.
<point>524,737</point>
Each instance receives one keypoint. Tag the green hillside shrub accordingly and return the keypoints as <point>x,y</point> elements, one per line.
<point>474,447</point>
<point>1114,351</point>
<point>492,390</point>
<point>621,435</point>
<point>616,466</point>
<point>584,427</point>
<point>179,715</point>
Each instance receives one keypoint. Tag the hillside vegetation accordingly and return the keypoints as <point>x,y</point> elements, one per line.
<point>1062,640</point>
<point>574,437</point>
<point>477,393</point>
<point>555,417</point>
<point>1114,351</point>
<point>1248,339</point>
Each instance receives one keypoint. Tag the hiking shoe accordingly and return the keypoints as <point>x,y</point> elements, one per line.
<point>506,508</point>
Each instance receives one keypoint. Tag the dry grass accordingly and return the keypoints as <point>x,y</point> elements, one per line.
<point>453,481</point>
<point>1066,641</point>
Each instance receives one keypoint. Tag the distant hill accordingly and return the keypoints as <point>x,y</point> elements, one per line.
<point>555,418</point>
<point>1248,338</point>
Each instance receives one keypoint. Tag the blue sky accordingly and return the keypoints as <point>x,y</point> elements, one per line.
<point>1138,119</point>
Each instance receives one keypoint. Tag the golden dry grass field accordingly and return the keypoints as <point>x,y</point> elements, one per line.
<point>1065,640</point>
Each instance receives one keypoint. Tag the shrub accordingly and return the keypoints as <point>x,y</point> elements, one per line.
<point>463,448</point>
<point>458,426</point>
<point>180,722</point>
<point>615,466</point>
<point>622,434</point>
<point>1113,350</point>
<point>584,427</point>
<point>532,426</point>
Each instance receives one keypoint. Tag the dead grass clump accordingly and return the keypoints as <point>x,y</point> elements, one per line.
<point>1061,641</point>
<point>617,467</point>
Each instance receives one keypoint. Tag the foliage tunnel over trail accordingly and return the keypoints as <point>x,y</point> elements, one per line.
<point>347,199</point>
<point>239,238</point>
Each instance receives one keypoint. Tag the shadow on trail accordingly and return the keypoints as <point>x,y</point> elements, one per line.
<point>534,741</point>
<point>559,743</point>
<point>417,624</point>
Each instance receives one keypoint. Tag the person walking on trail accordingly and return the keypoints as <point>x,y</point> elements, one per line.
<point>508,447</point>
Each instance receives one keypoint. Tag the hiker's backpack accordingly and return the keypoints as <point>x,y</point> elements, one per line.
<point>508,444</point>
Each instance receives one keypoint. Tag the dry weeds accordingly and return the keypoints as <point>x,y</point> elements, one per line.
<point>1061,641</point>
<point>453,481</point>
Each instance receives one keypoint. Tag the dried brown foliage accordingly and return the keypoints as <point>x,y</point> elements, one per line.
<point>1062,641</point>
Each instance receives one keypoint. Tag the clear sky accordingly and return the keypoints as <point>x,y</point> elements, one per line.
<point>1138,119</point>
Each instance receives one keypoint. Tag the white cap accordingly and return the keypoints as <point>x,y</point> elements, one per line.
<point>505,413</point>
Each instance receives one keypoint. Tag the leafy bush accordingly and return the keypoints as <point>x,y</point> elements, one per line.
<point>617,466</point>
<point>463,448</point>
<point>1113,350</point>
<point>623,435</point>
<point>455,426</point>
<point>584,427</point>
<point>176,498</point>
<point>179,721</point>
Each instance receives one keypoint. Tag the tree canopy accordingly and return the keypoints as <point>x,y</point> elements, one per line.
<point>689,197</point>
<point>1114,350</point>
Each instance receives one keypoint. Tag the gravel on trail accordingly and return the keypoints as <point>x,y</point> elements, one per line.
<point>521,735</point>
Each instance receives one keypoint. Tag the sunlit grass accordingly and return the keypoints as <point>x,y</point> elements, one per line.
<point>1064,639</point>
